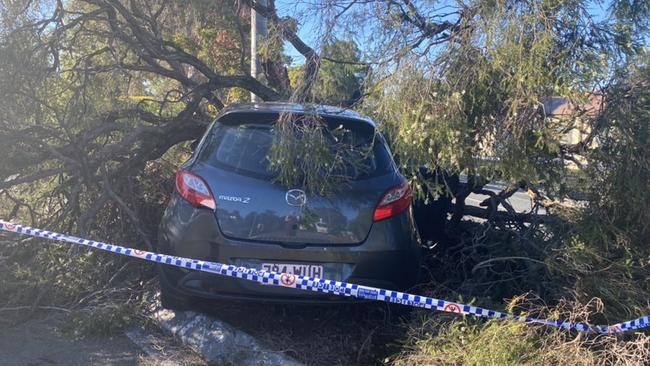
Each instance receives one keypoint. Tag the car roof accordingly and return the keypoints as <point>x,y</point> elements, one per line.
<point>285,107</point>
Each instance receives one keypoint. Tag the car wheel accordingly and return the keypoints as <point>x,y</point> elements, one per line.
<point>171,299</point>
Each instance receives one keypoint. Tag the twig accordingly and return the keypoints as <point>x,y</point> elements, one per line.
<point>366,343</point>
<point>500,259</point>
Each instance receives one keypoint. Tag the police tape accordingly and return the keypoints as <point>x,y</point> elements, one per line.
<point>323,285</point>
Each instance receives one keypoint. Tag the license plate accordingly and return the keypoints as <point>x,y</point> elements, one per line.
<point>308,270</point>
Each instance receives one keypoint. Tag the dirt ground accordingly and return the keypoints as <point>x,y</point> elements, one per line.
<point>40,341</point>
<point>337,334</point>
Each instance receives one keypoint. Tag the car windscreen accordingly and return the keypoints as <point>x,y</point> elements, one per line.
<point>245,147</point>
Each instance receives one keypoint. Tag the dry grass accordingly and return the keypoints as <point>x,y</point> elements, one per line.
<point>443,339</point>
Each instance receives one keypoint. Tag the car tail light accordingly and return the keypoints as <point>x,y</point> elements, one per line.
<point>394,202</point>
<point>194,190</point>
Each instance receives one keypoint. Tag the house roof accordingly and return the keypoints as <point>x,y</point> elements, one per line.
<point>561,106</point>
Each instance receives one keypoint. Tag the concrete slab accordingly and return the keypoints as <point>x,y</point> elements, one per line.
<point>216,341</point>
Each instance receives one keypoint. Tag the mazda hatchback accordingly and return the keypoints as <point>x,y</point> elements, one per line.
<point>227,207</point>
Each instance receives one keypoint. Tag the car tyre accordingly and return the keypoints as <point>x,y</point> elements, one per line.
<point>171,299</point>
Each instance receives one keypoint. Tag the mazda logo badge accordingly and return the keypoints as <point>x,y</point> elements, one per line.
<point>296,197</point>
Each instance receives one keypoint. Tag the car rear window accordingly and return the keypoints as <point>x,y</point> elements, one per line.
<point>245,147</point>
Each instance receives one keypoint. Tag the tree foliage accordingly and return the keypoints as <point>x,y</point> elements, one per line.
<point>620,168</point>
<point>103,89</point>
<point>340,78</point>
<point>483,94</point>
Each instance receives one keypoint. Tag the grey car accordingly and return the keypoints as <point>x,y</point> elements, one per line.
<point>228,208</point>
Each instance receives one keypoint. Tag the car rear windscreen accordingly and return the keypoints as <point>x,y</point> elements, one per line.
<point>245,147</point>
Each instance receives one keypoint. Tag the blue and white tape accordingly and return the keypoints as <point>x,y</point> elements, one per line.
<point>322,285</point>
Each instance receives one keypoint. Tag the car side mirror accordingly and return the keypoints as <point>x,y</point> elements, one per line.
<point>194,144</point>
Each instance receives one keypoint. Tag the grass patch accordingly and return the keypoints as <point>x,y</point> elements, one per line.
<point>435,339</point>
<point>107,321</point>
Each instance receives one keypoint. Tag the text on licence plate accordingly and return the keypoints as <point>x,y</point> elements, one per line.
<point>296,269</point>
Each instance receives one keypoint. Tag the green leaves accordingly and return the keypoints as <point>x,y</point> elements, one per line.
<point>341,75</point>
<point>484,93</point>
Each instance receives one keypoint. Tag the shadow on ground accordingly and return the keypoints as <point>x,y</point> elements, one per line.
<point>337,334</point>
<point>42,340</point>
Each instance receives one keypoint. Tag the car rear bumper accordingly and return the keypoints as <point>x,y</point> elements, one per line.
<point>386,259</point>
